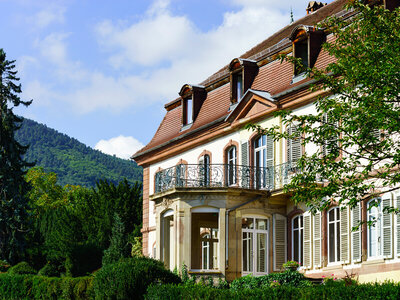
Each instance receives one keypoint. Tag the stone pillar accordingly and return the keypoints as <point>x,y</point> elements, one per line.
<point>222,240</point>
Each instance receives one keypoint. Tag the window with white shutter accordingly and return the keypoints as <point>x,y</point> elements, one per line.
<point>317,240</point>
<point>344,235</point>
<point>279,239</point>
<point>356,234</point>
<point>307,242</point>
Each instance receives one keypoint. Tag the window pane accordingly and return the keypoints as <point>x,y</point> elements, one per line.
<point>296,245</point>
<point>262,252</point>
<point>331,242</point>
<point>331,215</point>
<point>247,252</point>
<point>301,245</point>
<point>296,223</point>
<point>338,240</point>
<point>247,223</point>
<point>261,224</point>
<point>189,110</point>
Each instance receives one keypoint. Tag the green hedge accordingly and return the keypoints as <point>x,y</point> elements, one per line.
<point>130,278</point>
<point>363,291</point>
<point>40,287</point>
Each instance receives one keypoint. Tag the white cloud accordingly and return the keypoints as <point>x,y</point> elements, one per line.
<point>48,16</point>
<point>53,48</point>
<point>120,146</point>
<point>169,50</point>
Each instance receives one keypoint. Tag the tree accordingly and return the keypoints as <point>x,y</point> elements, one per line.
<point>118,243</point>
<point>356,129</point>
<point>13,187</point>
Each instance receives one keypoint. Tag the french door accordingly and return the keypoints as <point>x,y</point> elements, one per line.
<point>255,246</point>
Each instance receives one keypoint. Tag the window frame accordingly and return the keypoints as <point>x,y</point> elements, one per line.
<point>336,235</point>
<point>186,112</point>
<point>231,165</point>
<point>254,233</point>
<point>379,230</point>
<point>300,238</point>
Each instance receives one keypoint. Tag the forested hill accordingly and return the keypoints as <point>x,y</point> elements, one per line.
<point>73,162</point>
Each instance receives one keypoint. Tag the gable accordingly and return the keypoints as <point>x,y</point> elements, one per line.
<point>253,103</point>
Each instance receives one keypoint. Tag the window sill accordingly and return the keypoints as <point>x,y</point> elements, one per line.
<point>299,77</point>
<point>208,272</point>
<point>374,261</point>
<point>186,127</point>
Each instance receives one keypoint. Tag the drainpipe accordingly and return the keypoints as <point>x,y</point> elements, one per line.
<point>227,224</point>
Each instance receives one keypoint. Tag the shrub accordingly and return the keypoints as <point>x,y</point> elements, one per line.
<point>286,278</point>
<point>21,269</point>
<point>49,270</point>
<point>362,291</point>
<point>130,277</point>
<point>41,287</point>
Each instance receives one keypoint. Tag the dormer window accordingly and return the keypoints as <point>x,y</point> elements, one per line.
<point>307,44</point>
<point>242,74</point>
<point>237,83</point>
<point>192,97</point>
<point>301,52</point>
<point>187,111</point>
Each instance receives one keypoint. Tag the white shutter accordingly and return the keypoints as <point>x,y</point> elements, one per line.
<point>317,240</point>
<point>279,240</point>
<point>245,162</point>
<point>356,235</point>
<point>296,145</point>
<point>269,177</point>
<point>387,228</point>
<point>398,226</point>
<point>344,235</point>
<point>307,263</point>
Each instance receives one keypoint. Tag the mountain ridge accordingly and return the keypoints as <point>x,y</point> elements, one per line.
<point>72,161</point>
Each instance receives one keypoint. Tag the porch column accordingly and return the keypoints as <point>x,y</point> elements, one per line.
<point>222,240</point>
<point>158,235</point>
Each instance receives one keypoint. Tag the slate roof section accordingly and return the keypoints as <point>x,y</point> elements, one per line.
<point>273,78</point>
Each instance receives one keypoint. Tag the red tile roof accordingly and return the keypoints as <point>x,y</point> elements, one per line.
<point>274,77</point>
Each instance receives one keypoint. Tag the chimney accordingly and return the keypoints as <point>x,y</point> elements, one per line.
<point>314,5</point>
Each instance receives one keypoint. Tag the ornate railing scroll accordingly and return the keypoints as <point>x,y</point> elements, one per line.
<point>224,175</point>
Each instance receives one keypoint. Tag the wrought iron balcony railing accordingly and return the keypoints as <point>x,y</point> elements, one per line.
<point>224,175</point>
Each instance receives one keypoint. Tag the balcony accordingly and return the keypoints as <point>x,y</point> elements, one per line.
<point>224,176</point>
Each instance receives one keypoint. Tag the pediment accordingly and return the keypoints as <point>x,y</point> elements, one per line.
<point>252,104</point>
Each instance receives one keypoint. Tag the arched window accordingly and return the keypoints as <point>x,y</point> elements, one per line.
<point>264,162</point>
<point>334,235</point>
<point>204,170</point>
<point>231,166</point>
<point>297,239</point>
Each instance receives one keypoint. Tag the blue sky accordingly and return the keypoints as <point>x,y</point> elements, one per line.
<point>101,71</point>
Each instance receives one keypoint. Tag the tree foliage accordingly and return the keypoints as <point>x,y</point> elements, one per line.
<point>356,129</point>
<point>13,187</point>
<point>72,161</point>
<point>72,225</point>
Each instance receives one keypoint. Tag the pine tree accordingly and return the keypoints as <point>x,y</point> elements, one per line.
<point>118,242</point>
<point>13,187</point>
